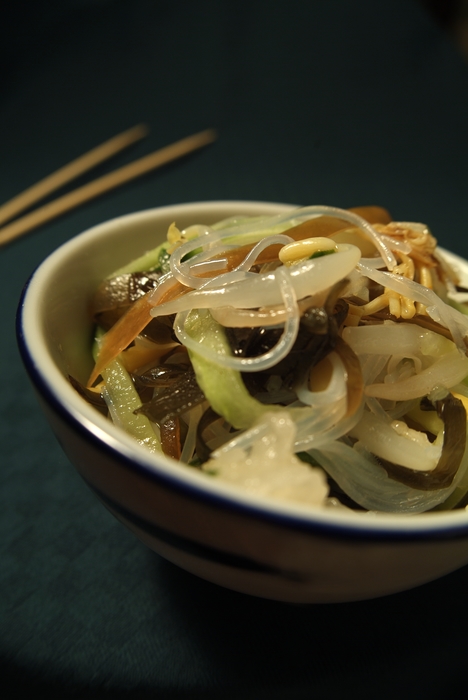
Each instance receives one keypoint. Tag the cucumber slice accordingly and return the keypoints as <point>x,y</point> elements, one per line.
<point>223,387</point>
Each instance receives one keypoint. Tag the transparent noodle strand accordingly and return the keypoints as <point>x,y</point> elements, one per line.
<point>368,484</point>
<point>251,364</point>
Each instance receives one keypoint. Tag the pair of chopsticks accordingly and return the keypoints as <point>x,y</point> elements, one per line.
<point>103,184</point>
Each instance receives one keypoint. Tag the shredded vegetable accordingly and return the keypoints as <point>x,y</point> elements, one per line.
<point>318,356</point>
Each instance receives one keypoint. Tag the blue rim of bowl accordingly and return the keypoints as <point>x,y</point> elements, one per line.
<point>369,530</point>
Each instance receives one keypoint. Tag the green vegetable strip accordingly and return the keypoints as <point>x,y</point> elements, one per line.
<point>223,387</point>
<point>124,400</point>
<point>463,308</point>
<point>148,261</point>
<point>241,239</point>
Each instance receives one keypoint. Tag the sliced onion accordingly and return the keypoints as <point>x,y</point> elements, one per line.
<point>448,370</point>
<point>453,415</point>
<point>335,390</point>
<point>376,408</point>
<point>369,485</point>
<point>409,448</point>
<point>400,339</point>
<point>372,366</point>
<point>403,364</point>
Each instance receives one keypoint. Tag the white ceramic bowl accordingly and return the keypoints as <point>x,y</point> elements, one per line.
<point>253,545</point>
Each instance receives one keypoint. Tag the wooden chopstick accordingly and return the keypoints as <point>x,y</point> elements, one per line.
<point>105,183</point>
<point>69,172</point>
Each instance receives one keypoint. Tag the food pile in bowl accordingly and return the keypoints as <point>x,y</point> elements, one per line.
<point>315,356</point>
<point>271,397</point>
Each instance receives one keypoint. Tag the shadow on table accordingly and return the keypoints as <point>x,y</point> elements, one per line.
<point>252,648</point>
<point>260,648</point>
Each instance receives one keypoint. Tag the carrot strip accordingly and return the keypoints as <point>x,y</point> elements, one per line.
<point>121,335</point>
<point>135,357</point>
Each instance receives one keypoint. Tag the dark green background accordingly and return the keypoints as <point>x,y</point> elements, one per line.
<point>333,102</point>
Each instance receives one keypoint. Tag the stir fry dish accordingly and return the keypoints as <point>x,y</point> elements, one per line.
<point>318,356</point>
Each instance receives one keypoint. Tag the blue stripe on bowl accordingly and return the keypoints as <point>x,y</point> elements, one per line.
<point>188,546</point>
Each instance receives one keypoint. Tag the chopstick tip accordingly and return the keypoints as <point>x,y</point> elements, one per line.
<point>211,135</point>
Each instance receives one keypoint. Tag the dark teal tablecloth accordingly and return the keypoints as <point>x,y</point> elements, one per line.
<point>336,102</point>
